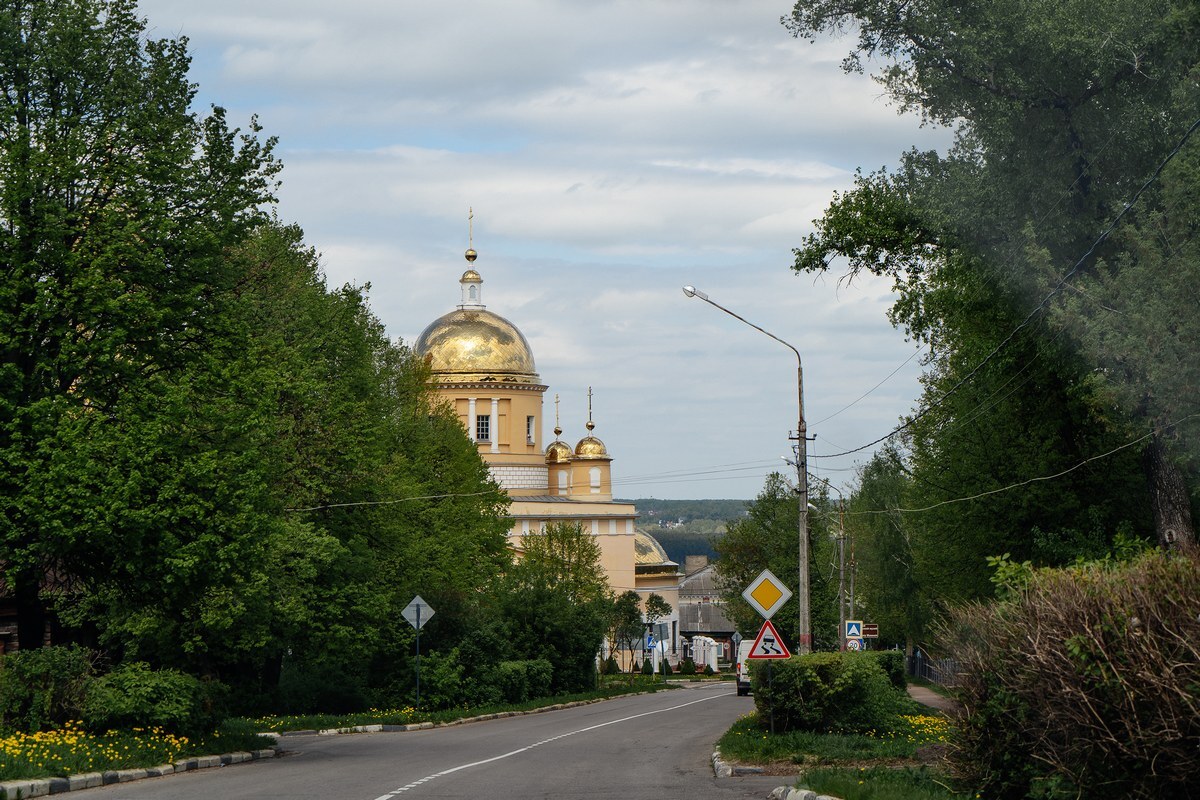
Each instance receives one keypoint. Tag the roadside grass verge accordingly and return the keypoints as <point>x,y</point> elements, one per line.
<point>409,715</point>
<point>881,783</point>
<point>72,751</point>
<point>877,765</point>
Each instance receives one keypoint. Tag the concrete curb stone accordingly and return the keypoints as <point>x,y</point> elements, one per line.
<point>11,790</point>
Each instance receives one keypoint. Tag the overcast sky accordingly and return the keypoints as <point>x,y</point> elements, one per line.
<point>613,152</point>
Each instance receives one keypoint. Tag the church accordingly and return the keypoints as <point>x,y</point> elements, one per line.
<point>483,366</point>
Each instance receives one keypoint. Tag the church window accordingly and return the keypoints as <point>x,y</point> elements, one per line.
<point>483,428</point>
<point>473,292</point>
<point>594,474</point>
<point>529,430</point>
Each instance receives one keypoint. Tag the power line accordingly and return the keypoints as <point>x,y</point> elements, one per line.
<point>1028,481</point>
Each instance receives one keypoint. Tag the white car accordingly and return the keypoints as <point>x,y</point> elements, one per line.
<point>743,667</point>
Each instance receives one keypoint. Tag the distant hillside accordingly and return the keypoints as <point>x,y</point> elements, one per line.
<point>687,527</point>
<point>724,510</point>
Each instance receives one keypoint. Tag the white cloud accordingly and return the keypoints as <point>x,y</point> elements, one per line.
<point>612,151</point>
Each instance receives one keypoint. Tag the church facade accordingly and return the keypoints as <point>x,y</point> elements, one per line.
<point>484,368</point>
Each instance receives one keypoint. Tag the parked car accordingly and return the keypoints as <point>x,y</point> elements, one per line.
<point>743,667</point>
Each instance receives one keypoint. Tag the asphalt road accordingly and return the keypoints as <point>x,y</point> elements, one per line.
<point>648,746</point>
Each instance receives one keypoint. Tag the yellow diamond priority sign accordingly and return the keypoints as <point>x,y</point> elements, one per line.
<point>767,594</point>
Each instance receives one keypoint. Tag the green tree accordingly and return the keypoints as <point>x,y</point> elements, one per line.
<point>888,575</point>
<point>1061,114</point>
<point>116,205</point>
<point>625,624</point>
<point>767,539</point>
<point>557,604</point>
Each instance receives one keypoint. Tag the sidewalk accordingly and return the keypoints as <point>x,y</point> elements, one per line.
<point>928,697</point>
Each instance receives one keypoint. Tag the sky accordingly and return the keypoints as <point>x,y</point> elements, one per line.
<point>612,153</point>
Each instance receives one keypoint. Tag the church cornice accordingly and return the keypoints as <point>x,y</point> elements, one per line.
<point>492,384</point>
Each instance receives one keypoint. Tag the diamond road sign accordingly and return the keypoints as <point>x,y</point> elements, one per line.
<point>417,612</point>
<point>767,594</point>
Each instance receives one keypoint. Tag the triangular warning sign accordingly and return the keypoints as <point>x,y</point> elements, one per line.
<point>768,644</point>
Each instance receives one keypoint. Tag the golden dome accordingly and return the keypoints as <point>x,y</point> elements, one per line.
<point>590,447</point>
<point>558,453</point>
<point>471,275</point>
<point>473,344</point>
<point>648,552</point>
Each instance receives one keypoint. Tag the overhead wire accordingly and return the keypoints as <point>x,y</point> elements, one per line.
<point>1028,481</point>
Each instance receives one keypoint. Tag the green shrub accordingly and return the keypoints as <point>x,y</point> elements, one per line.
<point>666,667</point>
<point>1083,682</point>
<point>135,696</point>
<point>611,667</point>
<point>44,687</point>
<point>687,667</point>
<point>892,664</point>
<point>321,688</point>
<point>829,693</point>
<point>443,680</point>
<point>519,681</point>
<point>708,670</point>
<point>647,667</point>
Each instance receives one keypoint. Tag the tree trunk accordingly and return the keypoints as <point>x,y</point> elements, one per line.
<point>31,611</point>
<point>1169,499</point>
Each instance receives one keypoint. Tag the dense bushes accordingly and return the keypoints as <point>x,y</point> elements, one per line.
<point>1084,683</point>
<point>518,681</point>
<point>828,693</point>
<point>44,688</point>
<point>135,696</point>
<point>50,686</point>
<point>892,664</point>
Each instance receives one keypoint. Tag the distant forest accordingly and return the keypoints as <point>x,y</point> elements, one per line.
<point>687,527</point>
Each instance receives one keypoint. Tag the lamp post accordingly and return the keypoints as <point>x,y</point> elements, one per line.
<point>804,632</point>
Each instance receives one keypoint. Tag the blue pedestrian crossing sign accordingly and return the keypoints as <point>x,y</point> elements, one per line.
<point>854,629</point>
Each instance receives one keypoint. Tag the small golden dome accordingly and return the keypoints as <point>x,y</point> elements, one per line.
<point>648,552</point>
<point>471,276</point>
<point>474,344</point>
<point>471,255</point>
<point>558,453</point>
<point>590,447</point>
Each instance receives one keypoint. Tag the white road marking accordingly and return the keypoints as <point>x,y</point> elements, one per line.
<point>392,794</point>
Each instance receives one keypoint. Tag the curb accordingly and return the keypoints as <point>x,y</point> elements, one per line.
<point>788,793</point>
<point>37,787</point>
<point>723,769</point>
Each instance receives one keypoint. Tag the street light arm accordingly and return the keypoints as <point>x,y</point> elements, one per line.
<point>692,291</point>
<point>804,617</point>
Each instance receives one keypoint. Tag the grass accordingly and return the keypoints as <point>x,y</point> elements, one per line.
<point>880,783</point>
<point>409,715</point>
<point>746,742</point>
<point>71,751</point>
<point>878,765</point>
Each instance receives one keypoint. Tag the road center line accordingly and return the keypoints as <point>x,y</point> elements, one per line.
<point>392,794</point>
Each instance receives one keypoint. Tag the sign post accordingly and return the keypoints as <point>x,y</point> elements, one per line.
<point>418,612</point>
<point>767,594</point>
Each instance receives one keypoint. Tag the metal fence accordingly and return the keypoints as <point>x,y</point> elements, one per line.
<point>942,671</point>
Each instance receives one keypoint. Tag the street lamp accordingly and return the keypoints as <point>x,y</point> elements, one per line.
<point>804,638</point>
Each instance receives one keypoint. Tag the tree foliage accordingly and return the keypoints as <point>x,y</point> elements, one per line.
<point>768,538</point>
<point>116,205</point>
<point>556,603</point>
<point>1061,113</point>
